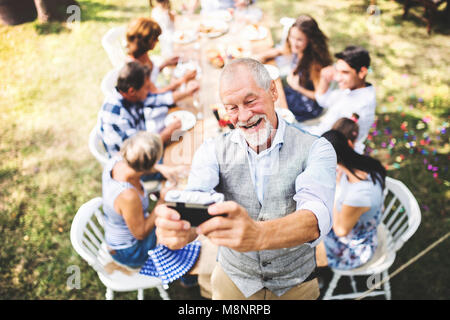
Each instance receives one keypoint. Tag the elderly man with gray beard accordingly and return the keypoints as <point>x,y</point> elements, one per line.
<point>279,185</point>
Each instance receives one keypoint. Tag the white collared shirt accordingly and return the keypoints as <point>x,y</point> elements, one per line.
<point>314,187</point>
<point>343,103</point>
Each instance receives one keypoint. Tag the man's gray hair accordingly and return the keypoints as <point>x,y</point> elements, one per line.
<point>256,68</point>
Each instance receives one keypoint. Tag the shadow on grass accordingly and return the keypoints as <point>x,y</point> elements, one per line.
<point>96,11</point>
<point>416,15</point>
<point>93,11</point>
<point>50,28</point>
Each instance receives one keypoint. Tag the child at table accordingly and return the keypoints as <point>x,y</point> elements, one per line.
<point>163,15</point>
<point>307,45</point>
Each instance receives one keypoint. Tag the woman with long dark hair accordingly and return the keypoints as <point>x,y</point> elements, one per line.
<point>308,46</point>
<point>357,208</point>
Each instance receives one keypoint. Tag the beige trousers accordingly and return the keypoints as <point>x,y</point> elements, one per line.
<point>223,288</point>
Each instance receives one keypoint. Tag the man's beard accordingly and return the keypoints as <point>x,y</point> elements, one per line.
<point>257,138</point>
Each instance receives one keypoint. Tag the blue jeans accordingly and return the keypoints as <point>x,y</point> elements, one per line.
<point>136,255</point>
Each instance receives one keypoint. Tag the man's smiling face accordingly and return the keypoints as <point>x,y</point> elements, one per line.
<point>250,107</point>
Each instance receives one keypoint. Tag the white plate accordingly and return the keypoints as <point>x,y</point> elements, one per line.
<point>221,27</point>
<point>274,72</point>
<point>183,37</point>
<point>252,33</point>
<point>286,114</point>
<point>187,118</point>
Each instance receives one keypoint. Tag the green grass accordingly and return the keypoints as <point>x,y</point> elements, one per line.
<point>49,99</point>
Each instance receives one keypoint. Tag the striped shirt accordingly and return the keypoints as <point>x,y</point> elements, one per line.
<point>120,119</point>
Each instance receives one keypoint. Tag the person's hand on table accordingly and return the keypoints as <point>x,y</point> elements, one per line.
<point>236,231</point>
<point>189,75</point>
<point>192,87</point>
<point>170,230</point>
<point>172,61</point>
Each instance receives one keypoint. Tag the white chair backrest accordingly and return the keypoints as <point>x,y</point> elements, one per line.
<point>109,82</point>
<point>401,214</point>
<point>86,234</point>
<point>286,22</point>
<point>96,146</point>
<point>114,43</point>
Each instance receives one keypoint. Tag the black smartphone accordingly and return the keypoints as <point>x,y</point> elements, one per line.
<point>195,213</point>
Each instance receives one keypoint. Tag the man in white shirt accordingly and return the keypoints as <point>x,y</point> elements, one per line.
<point>354,95</point>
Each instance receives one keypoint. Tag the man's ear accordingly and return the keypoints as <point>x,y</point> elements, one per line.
<point>273,90</point>
<point>363,73</point>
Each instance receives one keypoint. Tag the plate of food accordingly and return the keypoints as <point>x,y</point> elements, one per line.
<point>234,52</point>
<point>187,118</point>
<point>255,32</point>
<point>286,114</point>
<point>186,36</point>
<point>215,57</point>
<point>274,72</point>
<point>213,28</point>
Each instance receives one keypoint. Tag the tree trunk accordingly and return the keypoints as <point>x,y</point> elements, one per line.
<point>13,12</point>
<point>53,10</point>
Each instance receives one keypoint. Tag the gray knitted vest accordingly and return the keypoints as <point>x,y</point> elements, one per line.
<point>277,270</point>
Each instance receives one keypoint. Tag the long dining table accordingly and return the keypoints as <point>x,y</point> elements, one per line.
<point>183,146</point>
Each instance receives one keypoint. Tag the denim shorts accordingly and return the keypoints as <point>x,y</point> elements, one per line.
<point>136,255</point>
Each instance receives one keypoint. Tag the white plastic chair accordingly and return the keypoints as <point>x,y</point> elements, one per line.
<point>109,81</point>
<point>86,235</point>
<point>96,146</point>
<point>114,43</point>
<point>400,220</point>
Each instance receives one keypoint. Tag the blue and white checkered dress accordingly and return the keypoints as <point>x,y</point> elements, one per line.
<point>170,265</point>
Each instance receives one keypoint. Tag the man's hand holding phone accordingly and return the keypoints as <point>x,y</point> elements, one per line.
<point>183,210</point>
